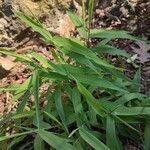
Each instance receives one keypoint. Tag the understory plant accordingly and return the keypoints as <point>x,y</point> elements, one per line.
<point>89,103</point>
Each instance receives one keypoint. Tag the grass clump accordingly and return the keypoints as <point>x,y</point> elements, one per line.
<point>91,104</point>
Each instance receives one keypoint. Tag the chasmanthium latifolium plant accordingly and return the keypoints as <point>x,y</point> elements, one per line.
<point>90,104</point>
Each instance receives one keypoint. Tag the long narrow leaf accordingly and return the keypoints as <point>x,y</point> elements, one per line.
<point>92,140</point>
<point>99,109</point>
<point>68,46</point>
<point>111,137</point>
<point>59,107</point>
<point>23,102</point>
<point>36,96</point>
<point>55,141</point>
<point>90,14</point>
<point>2,138</point>
<point>52,117</point>
<point>42,60</point>
<point>9,52</point>
<point>38,143</point>
<point>78,24</point>
<point>78,108</point>
<point>111,50</point>
<point>23,88</point>
<point>111,34</point>
<point>147,134</point>
<point>126,111</point>
<point>35,25</point>
<point>128,97</point>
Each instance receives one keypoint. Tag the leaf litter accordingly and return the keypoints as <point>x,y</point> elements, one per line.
<point>143,51</point>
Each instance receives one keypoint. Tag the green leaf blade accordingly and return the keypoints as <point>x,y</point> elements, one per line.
<point>55,141</point>
<point>92,140</point>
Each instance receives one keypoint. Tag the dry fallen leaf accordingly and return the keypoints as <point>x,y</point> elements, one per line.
<point>65,27</point>
<point>7,63</point>
<point>143,51</point>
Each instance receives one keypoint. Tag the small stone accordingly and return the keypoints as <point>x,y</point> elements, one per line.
<point>124,11</point>
<point>100,12</point>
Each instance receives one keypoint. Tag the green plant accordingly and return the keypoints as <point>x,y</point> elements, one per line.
<point>90,103</point>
